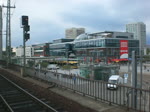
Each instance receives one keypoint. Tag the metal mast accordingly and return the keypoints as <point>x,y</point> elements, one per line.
<point>8,32</point>
<point>1,33</point>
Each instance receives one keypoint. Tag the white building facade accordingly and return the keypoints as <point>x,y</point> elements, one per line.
<point>19,51</point>
<point>29,51</point>
<point>139,31</point>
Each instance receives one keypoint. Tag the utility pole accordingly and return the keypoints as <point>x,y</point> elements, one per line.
<point>1,33</point>
<point>134,80</point>
<point>8,32</point>
<point>141,56</point>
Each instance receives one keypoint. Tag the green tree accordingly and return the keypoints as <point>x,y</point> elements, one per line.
<point>66,67</point>
<point>148,51</point>
<point>30,63</point>
<point>44,64</point>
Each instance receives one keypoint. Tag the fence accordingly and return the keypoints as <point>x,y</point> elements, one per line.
<point>134,98</point>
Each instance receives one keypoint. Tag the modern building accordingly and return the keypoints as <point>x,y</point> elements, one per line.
<point>61,47</point>
<point>28,51</point>
<point>97,46</point>
<point>105,45</point>
<point>14,49</point>
<point>1,33</point>
<point>62,40</point>
<point>72,33</point>
<point>41,50</point>
<point>139,31</point>
<point>19,51</point>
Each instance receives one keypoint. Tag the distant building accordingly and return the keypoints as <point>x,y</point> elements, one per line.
<point>41,50</point>
<point>14,50</point>
<point>97,46</point>
<point>107,44</point>
<point>29,51</point>
<point>139,31</point>
<point>19,51</point>
<point>74,32</point>
<point>63,40</point>
<point>63,49</point>
<point>1,33</point>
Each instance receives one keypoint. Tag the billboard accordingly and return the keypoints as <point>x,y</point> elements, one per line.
<point>123,48</point>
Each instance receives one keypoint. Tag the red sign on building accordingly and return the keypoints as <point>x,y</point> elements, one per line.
<point>123,48</point>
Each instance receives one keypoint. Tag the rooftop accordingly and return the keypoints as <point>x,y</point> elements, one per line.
<point>105,34</point>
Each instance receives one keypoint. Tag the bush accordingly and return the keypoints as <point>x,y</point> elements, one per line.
<point>66,67</point>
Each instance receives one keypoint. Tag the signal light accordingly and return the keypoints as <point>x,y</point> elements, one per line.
<point>26,36</point>
<point>24,20</point>
<point>27,28</point>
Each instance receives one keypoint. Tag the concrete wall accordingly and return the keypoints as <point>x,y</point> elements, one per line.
<point>1,33</point>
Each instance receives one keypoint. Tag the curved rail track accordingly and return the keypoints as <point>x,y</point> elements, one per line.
<point>13,98</point>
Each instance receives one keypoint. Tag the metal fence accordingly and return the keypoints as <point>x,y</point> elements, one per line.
<point>132,98</point>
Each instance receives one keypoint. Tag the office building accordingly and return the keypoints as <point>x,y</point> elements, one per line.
<point>29,51</point>
<point>62,40</point>
<point>100,45</point>
<point>107,44</point>
<point>139,31</point>
<point>63,49</point>
<point>72,33</point>
<point>1,33</point>
<point>41,50</point>
<point>19,51</point>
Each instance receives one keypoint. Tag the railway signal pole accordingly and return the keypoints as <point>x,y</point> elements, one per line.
<point>8,32</point>
<point>26,36</point>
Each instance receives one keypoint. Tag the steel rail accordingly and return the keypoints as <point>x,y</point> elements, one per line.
<point>33,97</point>
<point>7,105</point>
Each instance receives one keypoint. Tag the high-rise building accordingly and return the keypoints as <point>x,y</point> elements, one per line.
<point>1,21</point>
<point>72,33</point>
<point>139,31</point>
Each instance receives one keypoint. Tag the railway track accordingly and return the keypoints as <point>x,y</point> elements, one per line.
<point>13,98</point>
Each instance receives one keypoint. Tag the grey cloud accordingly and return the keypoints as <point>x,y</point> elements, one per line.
<point>48,18</point>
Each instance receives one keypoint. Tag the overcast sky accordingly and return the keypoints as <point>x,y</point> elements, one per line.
<point>48,19</point>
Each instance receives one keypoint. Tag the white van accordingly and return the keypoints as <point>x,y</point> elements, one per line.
<point>114,80</point>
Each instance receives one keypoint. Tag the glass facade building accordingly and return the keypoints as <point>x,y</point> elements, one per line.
<point>41,49</point>
<point>99,45</point>
<point>61,49</point>
<point>104,45</point>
